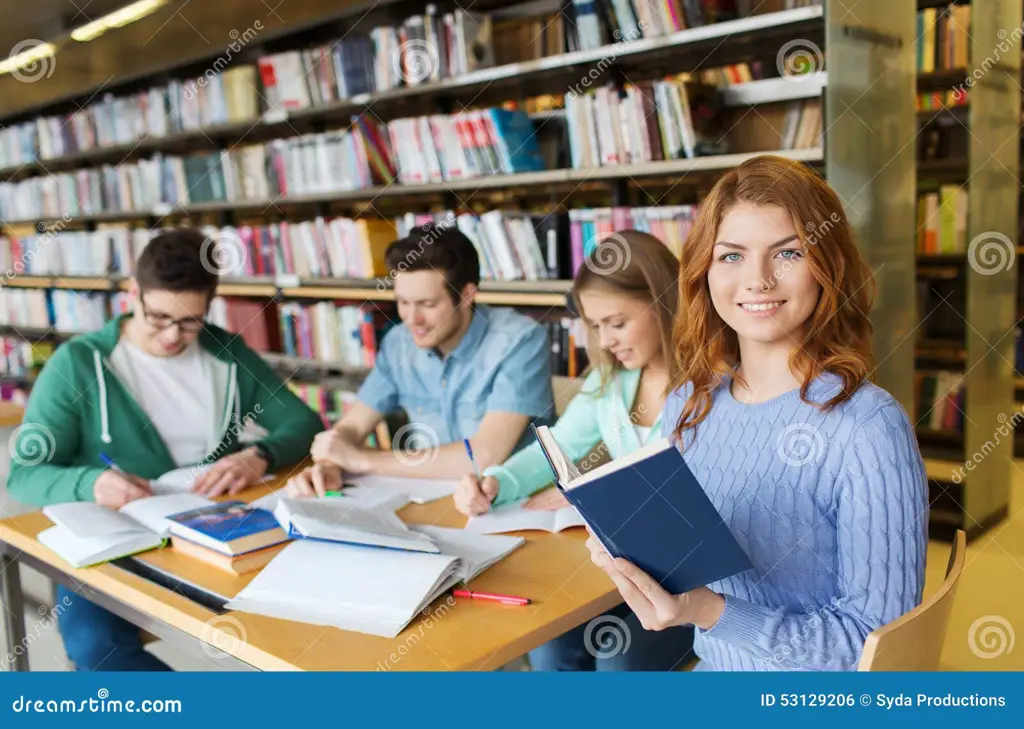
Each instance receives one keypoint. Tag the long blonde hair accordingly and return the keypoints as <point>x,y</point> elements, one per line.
<point>638,265</point>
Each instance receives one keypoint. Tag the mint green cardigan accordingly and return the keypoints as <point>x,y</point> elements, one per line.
<point>588,420</point>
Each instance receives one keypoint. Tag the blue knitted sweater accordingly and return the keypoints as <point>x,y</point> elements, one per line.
<point>832,510</point>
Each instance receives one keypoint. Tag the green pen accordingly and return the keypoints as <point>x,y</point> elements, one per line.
<point>332,493</point>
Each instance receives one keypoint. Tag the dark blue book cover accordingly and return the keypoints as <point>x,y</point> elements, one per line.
<point>655,514</point>
<point>517,141</point>
<point>227,521</point>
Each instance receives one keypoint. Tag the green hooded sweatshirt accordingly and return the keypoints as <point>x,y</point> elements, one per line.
<point>79,408</point>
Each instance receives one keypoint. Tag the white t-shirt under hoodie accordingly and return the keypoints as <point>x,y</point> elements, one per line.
<point>177,393</point>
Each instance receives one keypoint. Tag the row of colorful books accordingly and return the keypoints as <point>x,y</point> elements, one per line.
<point>180,106</point>
<point>511,245</point>
<point>21,358</point>
<point>943,38</point>
<point>940,401</point>
<point>600,22</point>
<point>107,250</point>
<point>942,220</point>
<point>62,310</point>
<point>424,48</point>
<point>460,146</point>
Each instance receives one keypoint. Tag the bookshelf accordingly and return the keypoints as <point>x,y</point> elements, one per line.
<point>867,99</point>
<point>977,298</point>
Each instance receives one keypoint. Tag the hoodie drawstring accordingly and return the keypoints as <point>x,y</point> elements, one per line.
<point>232,399</point>
<point>104,415</point>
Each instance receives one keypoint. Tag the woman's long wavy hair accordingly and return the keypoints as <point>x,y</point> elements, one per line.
<point>638,265</point>
<point>838,335</point>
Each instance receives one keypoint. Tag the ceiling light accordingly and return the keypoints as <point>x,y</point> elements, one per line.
<point>117,19</point>
<point>27,57</point>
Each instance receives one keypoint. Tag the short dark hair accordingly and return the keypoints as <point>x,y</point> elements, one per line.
<point>178,260</point>
<point>436,247</point>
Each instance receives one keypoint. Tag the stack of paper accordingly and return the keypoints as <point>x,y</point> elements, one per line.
<point>86,533</point>
<point>514,518</point>
<point>365,589</point>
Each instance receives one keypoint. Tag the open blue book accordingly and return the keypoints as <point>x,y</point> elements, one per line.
<point>648,508</point>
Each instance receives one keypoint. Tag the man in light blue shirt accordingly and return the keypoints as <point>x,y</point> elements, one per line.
<point>458,370</point>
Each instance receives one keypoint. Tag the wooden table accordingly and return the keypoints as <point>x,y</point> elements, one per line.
<point>554,570</point>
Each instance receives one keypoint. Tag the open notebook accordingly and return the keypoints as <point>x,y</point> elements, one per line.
<point>514,518</point>
<point>368,590</point>
<point>649,508</point>
<point>342,520</point>
<point>86,533</point>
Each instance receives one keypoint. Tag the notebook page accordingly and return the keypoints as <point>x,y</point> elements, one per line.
<point>84,552</point>
<point>340,519</point>
<point>511,518</point>
<point>564,467</point>
<point>567,517</point>
<point>364,578</point>
<point>476,552</point>
<point>88,520</point>
<point>153,511</point>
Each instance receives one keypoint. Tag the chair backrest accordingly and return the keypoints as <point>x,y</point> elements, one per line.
<point>913,642</point>
<point>564,389</point>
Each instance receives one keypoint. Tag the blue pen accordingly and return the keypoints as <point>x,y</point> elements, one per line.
<point>110,463</point>
<point>469,452</point>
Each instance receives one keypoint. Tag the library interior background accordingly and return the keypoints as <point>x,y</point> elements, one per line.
<point>301,132</point>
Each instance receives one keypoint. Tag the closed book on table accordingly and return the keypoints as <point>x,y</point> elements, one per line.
<point>239,564</point>
<point>648,508</point>
<point>230,527</point>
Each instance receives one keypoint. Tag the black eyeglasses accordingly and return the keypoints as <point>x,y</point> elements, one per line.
<point>188,325</point>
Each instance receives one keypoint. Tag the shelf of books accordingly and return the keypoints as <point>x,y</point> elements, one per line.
<point>967,255</point>
<point>534,128</point>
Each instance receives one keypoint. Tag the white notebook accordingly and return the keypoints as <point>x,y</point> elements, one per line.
<point>419,490</point>
<point>339,519</point>
<point>86,533</point>
<point>514,518</point>
<point>376,591</point>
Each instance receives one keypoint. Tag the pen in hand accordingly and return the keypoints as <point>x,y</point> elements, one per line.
<point>472,460</point>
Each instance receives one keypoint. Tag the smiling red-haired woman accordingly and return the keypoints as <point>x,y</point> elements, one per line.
<point>814,469</point>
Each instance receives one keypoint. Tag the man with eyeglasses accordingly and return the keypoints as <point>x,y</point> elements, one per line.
<point>154,390</point>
